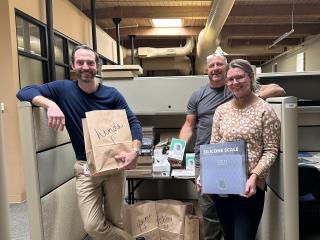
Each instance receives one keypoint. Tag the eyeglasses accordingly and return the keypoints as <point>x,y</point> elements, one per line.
<point>238,78</point>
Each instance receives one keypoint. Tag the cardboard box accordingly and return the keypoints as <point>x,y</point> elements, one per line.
<point>176,150</point>
<point>190,161</point>
<point>161,174</point>
<point>161,164</point>
<point>182,173</point>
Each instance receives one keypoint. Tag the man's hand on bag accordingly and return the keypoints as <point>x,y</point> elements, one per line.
<point>56,119</point>
<point>128,160</point>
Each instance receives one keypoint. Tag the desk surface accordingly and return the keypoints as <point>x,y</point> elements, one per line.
<point>145,172</point>
<point>150,176</point>
<point>310,158</point>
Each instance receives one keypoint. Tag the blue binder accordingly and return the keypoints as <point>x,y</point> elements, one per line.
<point>223,167</point>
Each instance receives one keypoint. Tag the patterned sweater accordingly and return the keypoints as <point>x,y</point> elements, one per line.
<point>258,125</point>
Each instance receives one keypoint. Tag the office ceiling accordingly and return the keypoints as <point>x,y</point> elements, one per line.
<point>249,30</point>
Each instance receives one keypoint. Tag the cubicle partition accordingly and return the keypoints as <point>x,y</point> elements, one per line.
<point>280,219</point>
<point>309,129</point>
<point>162,102</point>
<point>50,184</point>
<point>4,216</point>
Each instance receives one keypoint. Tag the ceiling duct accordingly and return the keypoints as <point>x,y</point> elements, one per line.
<point>181,64</point>
<point>208,37</point>
<point>148,52</point>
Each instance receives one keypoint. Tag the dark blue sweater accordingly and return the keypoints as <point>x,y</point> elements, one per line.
<point>74,103</point>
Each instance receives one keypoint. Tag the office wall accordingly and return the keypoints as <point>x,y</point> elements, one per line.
<point>9,82</point>
<point>67,20</point>
<point>288,62</point>
<point>71,21</point>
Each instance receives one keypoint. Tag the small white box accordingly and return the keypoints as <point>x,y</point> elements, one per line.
<point>182,173</point>
<point>161,164</point>
<point>161,174</point>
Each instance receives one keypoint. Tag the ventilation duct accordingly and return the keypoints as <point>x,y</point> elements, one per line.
<point>181,64</point>
<point>208,37</point>
<point>148,52</point>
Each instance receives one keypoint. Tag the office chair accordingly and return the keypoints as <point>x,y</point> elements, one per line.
<point>309,184</point>
<point>309,197</point>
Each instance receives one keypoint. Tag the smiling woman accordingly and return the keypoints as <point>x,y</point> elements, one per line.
<point>248,118</point>
<point>241,83</point>
<point>238,78</point>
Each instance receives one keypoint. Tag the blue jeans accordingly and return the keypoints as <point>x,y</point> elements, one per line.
<point>239,216</point>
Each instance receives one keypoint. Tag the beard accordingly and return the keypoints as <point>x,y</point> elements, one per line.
<point>86,76</point>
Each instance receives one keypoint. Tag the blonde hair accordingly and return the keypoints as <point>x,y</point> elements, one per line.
<point>245,66</point>
<point>218,54</point>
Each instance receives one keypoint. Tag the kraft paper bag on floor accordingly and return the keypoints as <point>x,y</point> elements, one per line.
<point>166,235</point>
<point>191,227</point>
<point>108,133</point>
<point>171,215</point>
<point>140,219</point>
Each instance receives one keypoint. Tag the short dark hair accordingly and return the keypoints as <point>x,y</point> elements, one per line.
<point>86,48</point>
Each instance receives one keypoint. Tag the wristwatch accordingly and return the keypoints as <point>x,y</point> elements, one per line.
<point>137,151</point>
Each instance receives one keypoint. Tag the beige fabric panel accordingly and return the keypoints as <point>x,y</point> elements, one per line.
<point>158,91</point>
<point>46,137</point>
<point>275,178</point>
<point>309,138</point>
<point>60,214</point>
<point>55,167</point>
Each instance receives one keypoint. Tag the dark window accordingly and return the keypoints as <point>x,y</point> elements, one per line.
<point>32,53</point>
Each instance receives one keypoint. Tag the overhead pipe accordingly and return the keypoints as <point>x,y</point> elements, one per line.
<point>93,25</point>
<point>148,52</point>
<point>208,37</point>
<point>132,37</point>
<point>51,57</point>
<point>117,23</point>
<point>181,64</point>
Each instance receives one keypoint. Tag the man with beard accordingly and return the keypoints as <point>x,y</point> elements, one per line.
<point>100,198</point>
<point>201,107</point>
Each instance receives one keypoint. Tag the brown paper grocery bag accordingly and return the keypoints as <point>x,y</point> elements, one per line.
<point>106,134</point>
<point>166,235</point>
<point>191,227</point>
<point>87,141</point>
<point>171,215</point>
<point>140,219</point>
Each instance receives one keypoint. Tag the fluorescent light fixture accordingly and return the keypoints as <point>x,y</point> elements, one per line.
<point>283,36</point>
<point>176,22</point>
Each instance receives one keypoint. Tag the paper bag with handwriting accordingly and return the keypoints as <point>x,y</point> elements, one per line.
<point>106,134</point>
<point>140,219</point>
<point>171,217</point>
<point>191,227</point>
